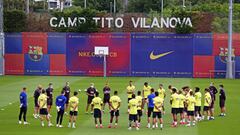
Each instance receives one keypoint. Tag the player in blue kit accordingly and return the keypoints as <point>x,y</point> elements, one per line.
<point>150,106</point>
<point>23,106</point>
<point>60,104</point>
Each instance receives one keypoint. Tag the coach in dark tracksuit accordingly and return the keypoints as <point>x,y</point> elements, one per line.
<point>23,106</point>
<point>222,100</point>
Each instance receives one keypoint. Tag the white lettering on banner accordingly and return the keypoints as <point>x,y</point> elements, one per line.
<point>109,22</point>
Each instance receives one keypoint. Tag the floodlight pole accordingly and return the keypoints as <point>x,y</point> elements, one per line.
<point>27,6</point>
<point>1,36</point>
<point>161,8</point>
<point>114,6</point>
<point>85,4</point>
<point>229,73</point>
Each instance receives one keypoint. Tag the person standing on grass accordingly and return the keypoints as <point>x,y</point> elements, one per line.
<point>157,111</point>
<point>60,104</point>
<point>132,107</point>
<point>115,103</point>
<point>213,91</point>
<point>150,106</point>
<point>182,99</point>
<point>162,94</point>
<point>207,104</point>
<point>23,106</point>
<point>146,91</point>
<point>49,92</point>
<point>222,100</point>
<point>96,106</point>
<point>198,98</point>
<point>42,101</point>
<point>190,101</point>
<point>106,97</point>
<point>91,91</point>
<point>139,108</point>
<point>174,101</point>
<point>36,95</point>
<point>73,102</point>
<point>130,90</point>
<point>67,92</point>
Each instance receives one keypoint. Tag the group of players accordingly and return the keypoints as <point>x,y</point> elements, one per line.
<point>185,102</point>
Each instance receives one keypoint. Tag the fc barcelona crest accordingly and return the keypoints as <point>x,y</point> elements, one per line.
<point>224,54</point>
<point>35,53</point>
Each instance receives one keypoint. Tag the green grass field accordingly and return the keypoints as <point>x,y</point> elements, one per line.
<point>10,86</point>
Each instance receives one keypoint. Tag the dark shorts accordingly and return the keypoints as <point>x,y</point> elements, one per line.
<point>175,110</point>
<point>190,113</point>
<point>185,109</point>
<point>150,110</point>
<point>36,103</point>
<point>157,115</point>
<point>97,113</point>
<point>43,111</point>
<point>197,108</point>
<point>90,98</point>
<point>106,99</point>
<point>206,108</point>
<point>73,113</point>
<point>139,113</point>
<point>222,103</point>
<point>49,101</point>
<point>112,113</point>
<point>133,117</point>
<point>180,110</point>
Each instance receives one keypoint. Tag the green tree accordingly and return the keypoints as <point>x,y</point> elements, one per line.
<point>14,21</point>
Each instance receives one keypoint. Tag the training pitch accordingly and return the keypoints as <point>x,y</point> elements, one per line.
<point>10,87</point>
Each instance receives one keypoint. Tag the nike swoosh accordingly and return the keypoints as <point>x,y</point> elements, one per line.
<point>154,57</point>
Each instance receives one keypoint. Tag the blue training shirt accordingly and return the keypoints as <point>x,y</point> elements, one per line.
<point>23,99</point>
<point>150,100</point>
<point>60,101</point>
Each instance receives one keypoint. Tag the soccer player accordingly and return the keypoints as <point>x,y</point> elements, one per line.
<point>190,109</point>
<point>207,104</point>
<point>115,103</point>
<point>67,91</point>
<point>146,91</point>
<point>140,107</point>
<point>182,99</point>
<point>130,90</point>
<point>97,109</point>
<point>213,91</point>
<point>60,104</point>
<point>73,102</point>
<point>91,91</point>
<point>150,106</point>
<point>174,101</point>
<point>198,98</point>
<point>37,93</point>
<point>106,98</point>
<point>42,101</point>
<point>170,88</point>
<point>162,94</point>
<point>49,92</point>
<point>222,99</point>
<point>158,104</point>
<point>132,107</point>
<point>23,106</point>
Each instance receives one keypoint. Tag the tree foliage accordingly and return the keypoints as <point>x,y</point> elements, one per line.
<point>14,21</point>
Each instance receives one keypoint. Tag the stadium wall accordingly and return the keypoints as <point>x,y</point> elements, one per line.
<point>131,54</point>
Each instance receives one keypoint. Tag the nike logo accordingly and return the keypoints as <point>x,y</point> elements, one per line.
<point>154,57</point>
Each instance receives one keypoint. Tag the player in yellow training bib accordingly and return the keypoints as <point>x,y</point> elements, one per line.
<point>157,111</point>
<point>198,98</point>
<point>97,104</point>
<point>73,103</point>
<point>207,104</point>
<point>190,109</point>
<point>146,92</point>
<point>132,107</point>
<point>130,90</point>
<point>174,101</point>
<point>115,103</point>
